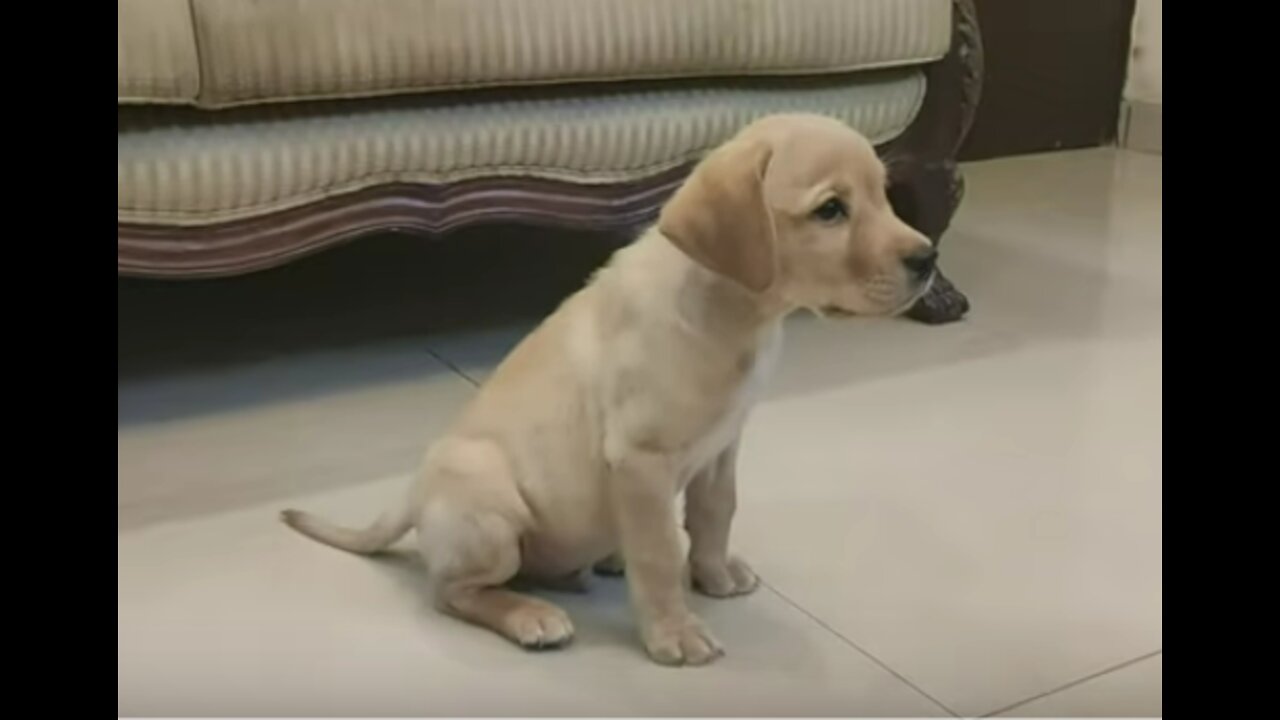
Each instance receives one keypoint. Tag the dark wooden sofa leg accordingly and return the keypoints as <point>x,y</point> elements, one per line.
<point>942,304</point>
<point>926,198</point>
<point>925,183</point>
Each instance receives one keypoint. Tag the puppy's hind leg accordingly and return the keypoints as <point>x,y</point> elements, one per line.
<point>470,557</point>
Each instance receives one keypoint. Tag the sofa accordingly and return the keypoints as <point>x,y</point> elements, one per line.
<point>251,133</point>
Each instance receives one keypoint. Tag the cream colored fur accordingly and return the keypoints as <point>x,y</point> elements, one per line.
<point>634,393</point>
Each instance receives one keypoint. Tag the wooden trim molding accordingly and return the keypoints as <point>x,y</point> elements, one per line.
<point>265,241</point>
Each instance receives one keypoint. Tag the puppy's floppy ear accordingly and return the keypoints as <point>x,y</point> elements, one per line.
<point>719,217</point>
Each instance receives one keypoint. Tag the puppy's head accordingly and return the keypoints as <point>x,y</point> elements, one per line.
<point>794,207</point>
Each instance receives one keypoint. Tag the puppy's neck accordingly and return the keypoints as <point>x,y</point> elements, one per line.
<point>705,302</point>
<point>718,306</point>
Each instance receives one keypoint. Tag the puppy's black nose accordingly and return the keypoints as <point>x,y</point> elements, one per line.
<point>921,263</point>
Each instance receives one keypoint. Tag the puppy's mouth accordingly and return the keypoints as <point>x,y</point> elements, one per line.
<point>921,290</point>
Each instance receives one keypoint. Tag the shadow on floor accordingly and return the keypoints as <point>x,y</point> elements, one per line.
<point>392,291</point>
<point>379,288</point>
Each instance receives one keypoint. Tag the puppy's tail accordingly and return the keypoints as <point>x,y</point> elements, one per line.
<point>377,537</point>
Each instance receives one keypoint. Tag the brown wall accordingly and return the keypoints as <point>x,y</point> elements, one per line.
<point>1055,70</point>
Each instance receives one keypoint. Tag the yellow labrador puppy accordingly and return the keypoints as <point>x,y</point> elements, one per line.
<point>635,391</point>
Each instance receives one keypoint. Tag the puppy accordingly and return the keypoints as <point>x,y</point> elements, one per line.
<point>635,390</point>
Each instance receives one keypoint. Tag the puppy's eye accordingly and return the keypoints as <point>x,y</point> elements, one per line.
<point>831,210</point>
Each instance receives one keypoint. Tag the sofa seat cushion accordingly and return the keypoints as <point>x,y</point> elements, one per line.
<point>156,60</point>
<point>188,167</point>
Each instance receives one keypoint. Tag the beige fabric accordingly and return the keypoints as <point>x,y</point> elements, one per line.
<point>191,167</point>
<point>155,52</point>
<point>293,49</point>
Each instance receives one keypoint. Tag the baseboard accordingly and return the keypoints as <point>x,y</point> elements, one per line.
<point>1141,126</point>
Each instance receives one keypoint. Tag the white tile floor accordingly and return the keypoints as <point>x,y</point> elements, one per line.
<point>955,520</point>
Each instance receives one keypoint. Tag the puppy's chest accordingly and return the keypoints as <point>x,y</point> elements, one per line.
<point>724,425</point>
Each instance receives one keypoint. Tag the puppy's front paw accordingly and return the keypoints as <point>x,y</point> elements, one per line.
<point>681,641</point>
<point>537,625</point>
<point>723,579</point>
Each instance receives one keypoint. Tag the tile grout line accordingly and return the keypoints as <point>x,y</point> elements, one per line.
<point>1076,683</point>
<point>457,370</point>
<point>880,663</point>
